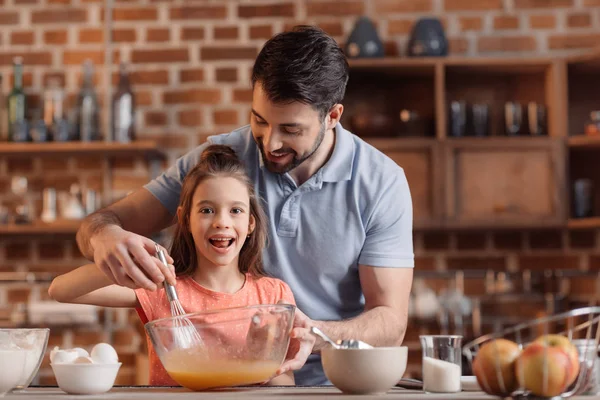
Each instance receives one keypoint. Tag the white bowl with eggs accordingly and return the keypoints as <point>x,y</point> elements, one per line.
<point>78,372</point>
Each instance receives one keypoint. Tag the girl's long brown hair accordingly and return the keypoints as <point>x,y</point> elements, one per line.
<point>217,161</point>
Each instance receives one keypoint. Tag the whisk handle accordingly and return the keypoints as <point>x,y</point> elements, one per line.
<point>171,293</point>
<point>169,289</point>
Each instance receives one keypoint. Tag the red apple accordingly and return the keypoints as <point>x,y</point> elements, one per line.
<point>546,367</point>
<point>494,367</point>
<point>565,344</point>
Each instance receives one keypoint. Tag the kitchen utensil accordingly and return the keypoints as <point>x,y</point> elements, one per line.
<point>442,363</point>
<point>409,383</point>
<point>577,324</point>
<point>234,352</point>
<point>186,334</point>
<point>368,371</point>
<point>341,344</point>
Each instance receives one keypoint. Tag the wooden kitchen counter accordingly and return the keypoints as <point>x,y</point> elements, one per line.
<point>292,393</point>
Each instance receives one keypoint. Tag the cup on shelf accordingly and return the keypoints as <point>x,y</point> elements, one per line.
<point>480,119</point>
<point>442,363</point>
<point>458,119</point>
<point>513,118</point>
<point>537,119</point>
<point>583,198</point>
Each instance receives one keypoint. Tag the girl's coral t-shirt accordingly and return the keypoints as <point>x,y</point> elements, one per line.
<point>195,298</point>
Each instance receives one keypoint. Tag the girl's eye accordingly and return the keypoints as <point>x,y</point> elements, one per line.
<point>259,121</point>
<point>206,210</point>
<point>237,210</point>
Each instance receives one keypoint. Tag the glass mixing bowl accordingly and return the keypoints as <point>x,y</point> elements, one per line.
<point>233,347</point>
<point>32,343</point>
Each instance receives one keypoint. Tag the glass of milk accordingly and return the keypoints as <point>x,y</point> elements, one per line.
<point>442,363</point>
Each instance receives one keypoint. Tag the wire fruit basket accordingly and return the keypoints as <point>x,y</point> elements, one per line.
<point>548,358</point>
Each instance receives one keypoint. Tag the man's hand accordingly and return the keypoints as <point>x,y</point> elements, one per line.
<point>127,259</point>
<point>301,343</point>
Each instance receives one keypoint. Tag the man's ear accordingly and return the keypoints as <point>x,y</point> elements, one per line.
<point>334,115</point>
<point>251,224</point>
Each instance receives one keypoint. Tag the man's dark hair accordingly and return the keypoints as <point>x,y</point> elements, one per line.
<point>304,65</point>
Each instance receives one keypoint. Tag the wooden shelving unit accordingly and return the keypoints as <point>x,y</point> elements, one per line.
<point>144,147</point>
<point>106,151</point>
<point>493,182</point>
<point>584,223</point>
<point>584,141</point>
<point>40,228</point>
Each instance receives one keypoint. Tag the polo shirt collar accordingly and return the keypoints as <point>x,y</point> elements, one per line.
<point>339,166</point>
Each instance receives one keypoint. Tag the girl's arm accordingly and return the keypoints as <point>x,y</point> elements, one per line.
<point>89,285</point>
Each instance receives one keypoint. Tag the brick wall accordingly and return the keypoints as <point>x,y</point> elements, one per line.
<point>191,63</point>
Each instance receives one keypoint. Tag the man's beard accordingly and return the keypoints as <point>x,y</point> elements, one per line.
<point>296,161</point>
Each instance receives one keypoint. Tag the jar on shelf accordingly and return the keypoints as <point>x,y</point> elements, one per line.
<point>592,127</point>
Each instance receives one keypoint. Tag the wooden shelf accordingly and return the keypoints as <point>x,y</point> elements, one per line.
<point>141,147</point>
<point>65,227</point>
<point>584,141</point>
<point>584,223</point>
<point>426,65</point>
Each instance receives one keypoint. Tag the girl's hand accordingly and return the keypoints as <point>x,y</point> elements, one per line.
<point>301,343</point>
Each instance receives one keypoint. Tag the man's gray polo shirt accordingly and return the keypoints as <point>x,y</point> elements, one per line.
<point>355,210</point>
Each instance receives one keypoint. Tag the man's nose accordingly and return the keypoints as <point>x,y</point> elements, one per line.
<point>271,141</point>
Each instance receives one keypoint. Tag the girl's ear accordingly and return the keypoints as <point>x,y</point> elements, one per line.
<point>252,224</point>
<point>180,215</point>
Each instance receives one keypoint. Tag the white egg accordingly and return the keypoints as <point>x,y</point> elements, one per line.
<point>83,360</point>
<point>53,352</point>
<point>81,352</point>
<point>63,357</point>
<point>104,353</point>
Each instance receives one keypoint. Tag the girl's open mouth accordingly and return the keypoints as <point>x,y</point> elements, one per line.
<point>221,243</point>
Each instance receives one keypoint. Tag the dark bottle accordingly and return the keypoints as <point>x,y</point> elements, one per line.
<point>123,106</point>
<point>88,127</point>
<point>17,106</point>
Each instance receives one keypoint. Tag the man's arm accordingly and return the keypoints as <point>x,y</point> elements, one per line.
<point>114,238</point>
<point>383,323</point>
<point>131,213</point>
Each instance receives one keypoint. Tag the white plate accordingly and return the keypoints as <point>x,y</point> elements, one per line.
<point>469,384</point>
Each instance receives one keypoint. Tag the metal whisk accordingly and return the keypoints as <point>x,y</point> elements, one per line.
<point>185,333</point>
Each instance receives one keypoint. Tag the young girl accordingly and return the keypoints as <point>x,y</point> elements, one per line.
<point>217,251</point>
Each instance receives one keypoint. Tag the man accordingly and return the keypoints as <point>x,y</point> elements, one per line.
<point>340,212</point>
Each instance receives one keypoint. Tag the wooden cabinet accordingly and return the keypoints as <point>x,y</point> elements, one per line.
<point>421,162</point>
<point>510,182</point>
<point>494,181</point>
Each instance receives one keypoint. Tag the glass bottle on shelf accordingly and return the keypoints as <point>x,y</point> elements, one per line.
<point>17,106</point>
<point>123,106</point>
<point>88,128</point>
<point>54,117</point>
